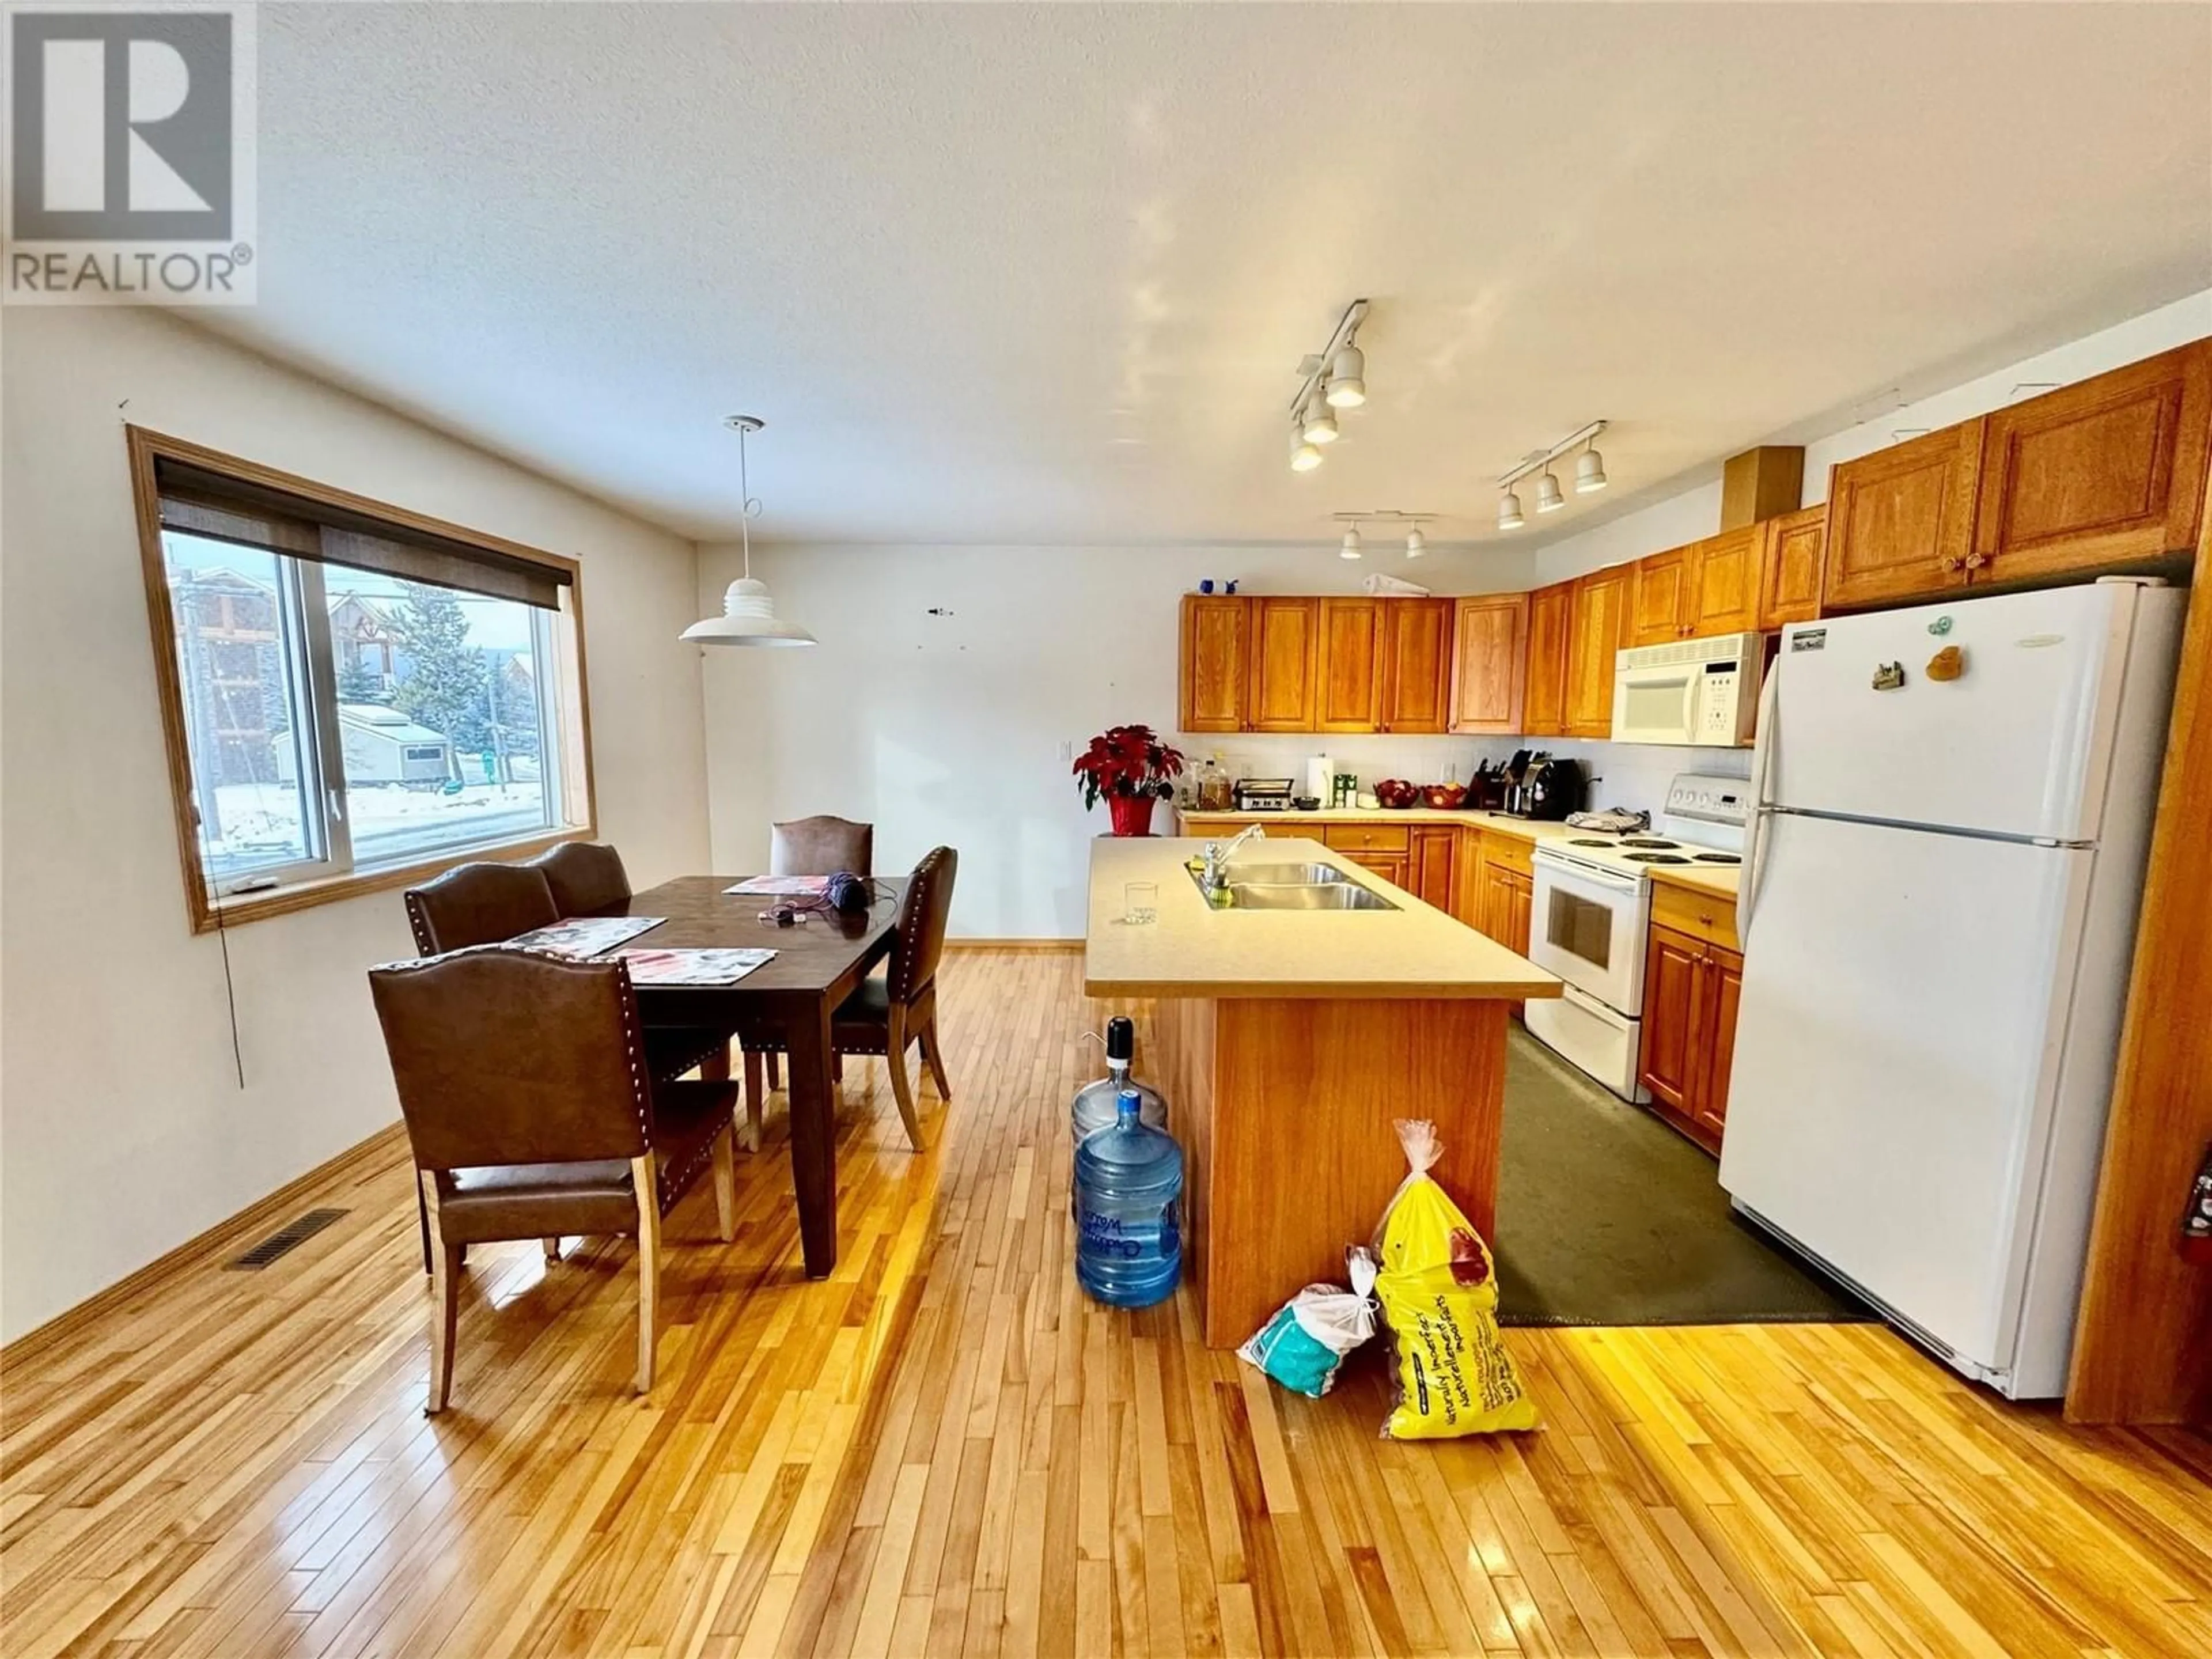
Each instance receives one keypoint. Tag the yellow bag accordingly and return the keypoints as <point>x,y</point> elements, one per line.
<point>1439,1295</point>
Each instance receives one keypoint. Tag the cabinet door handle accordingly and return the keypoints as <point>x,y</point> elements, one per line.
<point>1975,562</point>
<point>1950,563</point>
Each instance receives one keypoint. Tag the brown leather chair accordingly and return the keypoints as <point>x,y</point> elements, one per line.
<point>522,1077</point>
<point>586,877</point>
<point>479,904</point>
<point>821,846</point>
<point>885,1016</point>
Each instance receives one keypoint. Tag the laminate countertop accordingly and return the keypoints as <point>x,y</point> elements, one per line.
<point>1194,950</point>
<point>1208,824</point>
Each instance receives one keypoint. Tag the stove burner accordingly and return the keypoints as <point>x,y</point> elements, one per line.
<point>1719,858</point>
<point>1593,843</point>
<point>1651,842</point>
<point>1655,857</point>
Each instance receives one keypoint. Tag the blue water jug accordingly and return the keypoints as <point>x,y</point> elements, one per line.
<point>1128,1208</point>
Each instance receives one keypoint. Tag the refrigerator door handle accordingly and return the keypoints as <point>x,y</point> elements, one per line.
<point>1767,738</point>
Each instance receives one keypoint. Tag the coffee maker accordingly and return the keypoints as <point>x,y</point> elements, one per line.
<point>1554,788</point>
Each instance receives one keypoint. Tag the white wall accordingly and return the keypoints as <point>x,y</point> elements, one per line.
<point>1696,511</point>
<point>951,728</point>
<point>123,1129</point>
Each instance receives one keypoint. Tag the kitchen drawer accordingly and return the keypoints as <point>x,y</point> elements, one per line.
<point>1708,916</point>
<point>1367,837</point>
<point>1503,848</point>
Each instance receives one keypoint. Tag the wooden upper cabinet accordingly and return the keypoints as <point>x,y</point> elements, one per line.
<point>1417,664</point>
<point>1544,700</point>
<point>1789,567</point>
<point>1901,520</point>
<point>1597,631</point>
<point>1214,665</point>
<point>1722,595</point>
<point>1285,651</point>
<point>2108,470</point>
<point>1490,662</point>
<point>1661,598</point>
<point>1348,670</point>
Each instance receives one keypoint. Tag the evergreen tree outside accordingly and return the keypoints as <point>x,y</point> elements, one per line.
<point>447,689</point>
<point>360,684</point>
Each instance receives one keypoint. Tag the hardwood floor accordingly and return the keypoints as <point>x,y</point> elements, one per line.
<point>945,1448</point>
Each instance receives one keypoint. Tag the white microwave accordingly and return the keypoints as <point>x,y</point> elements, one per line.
<point>1694,692</point>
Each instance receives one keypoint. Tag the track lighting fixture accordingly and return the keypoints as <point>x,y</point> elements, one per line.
<point>1353,545</point>
<point>1416,543</point>
<point>1319,426</point>
<point>1590,476</point>
<point>1350,548</point>
<point>1334,378</point>
<point>1347,377</point>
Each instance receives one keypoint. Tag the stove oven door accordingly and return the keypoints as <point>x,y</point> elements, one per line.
<point>1587,927</point>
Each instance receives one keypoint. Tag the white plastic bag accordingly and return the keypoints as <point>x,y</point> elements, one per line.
<point>1303,1346</point>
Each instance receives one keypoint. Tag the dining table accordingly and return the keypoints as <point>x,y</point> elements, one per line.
<point>821,957</point>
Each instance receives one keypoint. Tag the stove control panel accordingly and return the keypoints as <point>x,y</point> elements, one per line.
<point>1716,801</point>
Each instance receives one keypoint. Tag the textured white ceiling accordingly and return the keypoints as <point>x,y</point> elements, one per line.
<point>1041,274</point>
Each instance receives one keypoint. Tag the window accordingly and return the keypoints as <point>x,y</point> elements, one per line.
<point>354,695</point>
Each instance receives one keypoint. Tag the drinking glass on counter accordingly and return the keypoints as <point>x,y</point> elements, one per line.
<point>1140,903</point>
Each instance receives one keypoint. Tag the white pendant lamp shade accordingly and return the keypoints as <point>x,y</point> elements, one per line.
<point>1305,457</point>
<point>1319,426</point>
<point>748,614</point>
<point>1589,472</point>
<point>1350,548</point>
<point>748,618</point>
<point>1548,498</point>
<point>1509,512</point>
<point>1347,379</point>
<point>1416,543</point>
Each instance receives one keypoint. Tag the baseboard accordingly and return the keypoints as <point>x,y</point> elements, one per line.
<point>217,1241</point>
<point>1013,944</point>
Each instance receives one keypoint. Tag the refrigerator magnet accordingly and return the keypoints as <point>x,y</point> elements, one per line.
<point>1948,664</point>
<point>1889,677</point>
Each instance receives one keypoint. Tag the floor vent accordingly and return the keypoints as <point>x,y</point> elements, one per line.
<point>287,1239</point>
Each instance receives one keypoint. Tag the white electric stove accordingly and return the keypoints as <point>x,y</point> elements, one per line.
<point>1592,910</point>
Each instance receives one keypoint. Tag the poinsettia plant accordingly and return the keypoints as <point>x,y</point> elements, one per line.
<point>1129,761</point>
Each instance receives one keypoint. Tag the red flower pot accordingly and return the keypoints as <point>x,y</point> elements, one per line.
<point>1133,814</point>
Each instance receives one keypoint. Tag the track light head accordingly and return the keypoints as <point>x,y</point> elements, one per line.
<point>1589,472</point>
<point>1548,498</point>
<point>1416,543</point>
<point>1319,424</point>
<point>1347,379</point>
<point>1509,512</point>
<point>1350,548</point>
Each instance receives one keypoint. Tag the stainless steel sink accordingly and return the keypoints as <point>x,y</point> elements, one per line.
<point>1277,875</point>
<point>1337,895</point>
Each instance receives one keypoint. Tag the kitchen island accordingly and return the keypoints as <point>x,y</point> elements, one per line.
<point>1286,1042</point>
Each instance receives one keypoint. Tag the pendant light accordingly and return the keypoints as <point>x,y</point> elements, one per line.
<point>1589,472</point>
<point>1548,498</point>
<point>1416,543</point>
<point>748,614</point>
<point>1350,548</point>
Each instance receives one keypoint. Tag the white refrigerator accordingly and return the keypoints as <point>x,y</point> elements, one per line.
<point>1938,911</point>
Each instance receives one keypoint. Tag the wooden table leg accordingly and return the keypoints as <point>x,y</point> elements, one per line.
<point>813,1097</point>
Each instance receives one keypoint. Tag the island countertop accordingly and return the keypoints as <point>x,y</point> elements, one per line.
<point>1194,950</point>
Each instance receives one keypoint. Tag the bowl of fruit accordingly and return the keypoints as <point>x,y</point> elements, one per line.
<point>1397,793</point>
<point>1444,797</point>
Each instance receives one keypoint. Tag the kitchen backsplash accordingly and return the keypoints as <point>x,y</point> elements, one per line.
<point>1627,774</point>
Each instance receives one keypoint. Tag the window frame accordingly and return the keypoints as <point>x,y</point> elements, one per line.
<point>563,709</point>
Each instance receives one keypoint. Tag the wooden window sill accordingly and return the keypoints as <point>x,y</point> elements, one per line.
<point>209,915</point>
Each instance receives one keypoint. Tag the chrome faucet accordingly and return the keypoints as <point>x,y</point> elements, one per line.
<point>1217,857</point>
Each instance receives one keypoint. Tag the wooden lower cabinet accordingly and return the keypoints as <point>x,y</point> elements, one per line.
<point>1690,990</point>
<point>1432,864</point>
